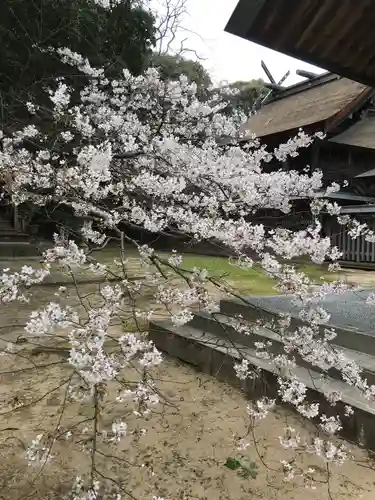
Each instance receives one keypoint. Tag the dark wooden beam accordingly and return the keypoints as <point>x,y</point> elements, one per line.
<point>306,74</point>
<point>366,52</point>
<point>346,26</point>
<point>316,25</point>
<point>262,100</point>
<point>243,16</point>
<point>299,10</point>
<point>353,48</point>
<point>315,155</point>
<point>274,86</point>
<point>334,35</point>
<point>267,72</point>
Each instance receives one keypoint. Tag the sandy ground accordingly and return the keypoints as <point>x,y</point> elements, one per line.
<point>359,277</point>
<point>186,443</point>
<point>182,454</point>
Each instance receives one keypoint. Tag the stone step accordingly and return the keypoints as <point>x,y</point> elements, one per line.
<point>4,224</point>
<point>249,308</point>
<point>219,324</point>
<point>12,235</point>
<point>216,356</point>
<point>11,249</point>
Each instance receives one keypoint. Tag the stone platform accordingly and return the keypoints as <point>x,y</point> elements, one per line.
<point>210,344</point>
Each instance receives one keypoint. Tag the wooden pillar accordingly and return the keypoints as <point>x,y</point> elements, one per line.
<point>315,155</point>
<point>15,216</point>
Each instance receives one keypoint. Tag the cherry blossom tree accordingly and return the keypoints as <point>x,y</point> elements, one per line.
<point>140,152</point>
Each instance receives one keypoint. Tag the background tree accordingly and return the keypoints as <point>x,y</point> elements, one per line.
<point>248,93</point>
<point>172,66</point>
<point>114,37</point>
<point>170,31</point>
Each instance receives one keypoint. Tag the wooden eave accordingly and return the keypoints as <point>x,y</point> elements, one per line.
<point>337,35</point>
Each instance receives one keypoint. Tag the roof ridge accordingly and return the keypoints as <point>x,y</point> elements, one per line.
<point>305,85</point>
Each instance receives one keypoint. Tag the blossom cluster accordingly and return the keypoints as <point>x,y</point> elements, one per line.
<point>14,284</point>
<point>144,154</point>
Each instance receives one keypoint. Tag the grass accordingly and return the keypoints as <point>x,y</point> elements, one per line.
<point>247,281</point>
<point>250,281</point>
<point>317,273</point>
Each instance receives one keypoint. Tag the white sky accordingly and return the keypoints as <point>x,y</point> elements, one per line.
<point>227,57</point>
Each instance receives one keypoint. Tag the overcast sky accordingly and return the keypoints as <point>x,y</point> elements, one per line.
<point>227,57</point>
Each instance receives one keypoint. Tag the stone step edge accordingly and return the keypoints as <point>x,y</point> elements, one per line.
<point>343,338</point>
<point>200,350</point>
<point>258,312</point>
<point>364,360</point>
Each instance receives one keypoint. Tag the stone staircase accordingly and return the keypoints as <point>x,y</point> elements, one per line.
<point>211,344</point>
<point>14,242</point>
